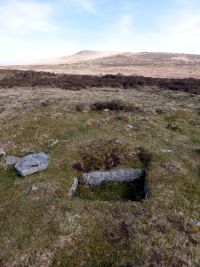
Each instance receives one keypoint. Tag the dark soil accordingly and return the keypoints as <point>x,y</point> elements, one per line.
<point>77,82</point>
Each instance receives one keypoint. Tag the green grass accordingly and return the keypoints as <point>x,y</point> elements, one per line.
<point>87,231</point>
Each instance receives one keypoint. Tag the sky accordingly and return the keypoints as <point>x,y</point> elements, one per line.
<point>31,30</point>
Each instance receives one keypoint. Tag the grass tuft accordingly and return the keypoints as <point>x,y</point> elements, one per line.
<point>115,105</point>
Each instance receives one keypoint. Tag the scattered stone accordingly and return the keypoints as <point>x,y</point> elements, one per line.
<point>32,164</point>
<point>117,141</point>
<point>55,142</point>
<point>11,160</point>
<point>196,223</point>
<point>120,175</point>
<point>2,152</point>
<point>33,188</point>
<point>73,188</point>
<point>129,126</point>
<point>167,151</point>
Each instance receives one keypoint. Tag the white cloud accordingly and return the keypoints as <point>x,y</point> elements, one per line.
<point>122,27</point>
<point>176,31</point>
<point>22,25</point>
<point>125,25</point>
<point>20,16</point>
<point>180,31</point>
<point>86,5</point>
<point>188,3</point>
<point>23,51</point>
<point>187,22</point>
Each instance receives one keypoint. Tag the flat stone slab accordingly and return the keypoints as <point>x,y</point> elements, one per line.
<point>119,175</point>
<point>32,164</point>
<point>73,188</point>
<point>11,160</point>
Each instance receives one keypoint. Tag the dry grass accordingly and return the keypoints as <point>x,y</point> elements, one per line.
<point>142,64</point>
<point>45,228</point>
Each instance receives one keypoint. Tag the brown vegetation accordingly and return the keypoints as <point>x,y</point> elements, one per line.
<point>157,65</point>
<point>46,228</point>
<point>109,154</point>
<point>77,82</point>
<point>114,105</point>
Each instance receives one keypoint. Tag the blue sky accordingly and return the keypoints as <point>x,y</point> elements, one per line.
<point>39,29</point>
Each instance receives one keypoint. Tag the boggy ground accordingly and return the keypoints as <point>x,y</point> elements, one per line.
<point>46,228</point>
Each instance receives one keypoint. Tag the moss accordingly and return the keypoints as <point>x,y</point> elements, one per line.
<point>80,232</point>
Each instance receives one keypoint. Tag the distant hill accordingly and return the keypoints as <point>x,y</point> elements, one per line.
<point>81,56</point>
<point>128,63</point>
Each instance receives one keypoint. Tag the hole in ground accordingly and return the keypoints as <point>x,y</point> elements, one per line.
<point>118,189</point>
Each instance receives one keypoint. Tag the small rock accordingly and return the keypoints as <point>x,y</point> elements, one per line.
<point>167,151</point>
<point>11,160</point>
<point>196,223</point>
<point>73,188</point>
<point>129,126</point>
<point>117,141</point>
<point>32,164</point>
<point>33,188</point>
<point>2,152</point>
<point>55,142</point>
